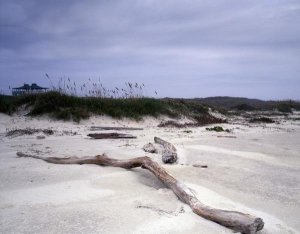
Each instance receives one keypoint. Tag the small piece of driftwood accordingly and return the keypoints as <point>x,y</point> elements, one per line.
<point>40,137</point>
<point>200,165</point>
<point>96,128</point>
<point>169,154</point>
<point>226,136</point>
<point>150,148</point>
<point>237,221</point>
<point>113,135</point>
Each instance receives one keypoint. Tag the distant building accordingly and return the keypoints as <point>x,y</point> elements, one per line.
<point>28,89</point>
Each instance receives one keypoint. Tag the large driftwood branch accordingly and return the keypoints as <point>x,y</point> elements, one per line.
<point>113,135</point>
<point>96,128</point>
<point>169,154</point>
<point>237,221</point>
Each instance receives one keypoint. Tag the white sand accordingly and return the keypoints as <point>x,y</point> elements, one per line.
<point>257,172</point>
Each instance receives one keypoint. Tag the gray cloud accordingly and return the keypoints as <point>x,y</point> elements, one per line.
<point>189,49</point>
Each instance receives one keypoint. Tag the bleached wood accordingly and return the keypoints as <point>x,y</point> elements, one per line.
<point>234,220</point>
<point>113,135</point>
<point>96,128</point>
<point>169,154</point>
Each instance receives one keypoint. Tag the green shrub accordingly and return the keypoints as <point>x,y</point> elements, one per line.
<point>217,129</point>
<point>261,120</point>
<point>284,107</point>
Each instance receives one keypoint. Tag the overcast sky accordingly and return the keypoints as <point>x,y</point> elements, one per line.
<point>179,48</point>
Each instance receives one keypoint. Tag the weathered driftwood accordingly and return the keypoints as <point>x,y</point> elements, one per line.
<point>150,148</point>
<point>169,154</point>
<point>200,165</point>
<point>227,136</point>
<point>40,137</point>
<point>113,135</point>
<point>28,131</point>
<point>234,220</point>
<point>96,128</point>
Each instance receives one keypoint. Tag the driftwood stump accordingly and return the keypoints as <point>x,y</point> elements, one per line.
<point>169,154</point>
<point>234,220</point>
<point>150,148</point>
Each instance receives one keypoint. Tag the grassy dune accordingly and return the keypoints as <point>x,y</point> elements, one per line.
<point>67,107</point>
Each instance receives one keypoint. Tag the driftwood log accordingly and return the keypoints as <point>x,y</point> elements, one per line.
<point>113,135</point>
<point>96,128</point>
<point>28,131</point>
<point>234,220</point>
<point>169,154</point>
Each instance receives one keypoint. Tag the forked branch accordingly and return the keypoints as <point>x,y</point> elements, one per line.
<point>234,220</point>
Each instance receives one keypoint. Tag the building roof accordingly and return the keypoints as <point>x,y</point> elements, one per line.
<point>34,86</point>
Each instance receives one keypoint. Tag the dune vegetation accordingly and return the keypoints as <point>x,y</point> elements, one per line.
<point>68,107</point>
<point>69,101</point>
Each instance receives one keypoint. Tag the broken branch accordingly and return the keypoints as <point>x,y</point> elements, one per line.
<point>169,154</point>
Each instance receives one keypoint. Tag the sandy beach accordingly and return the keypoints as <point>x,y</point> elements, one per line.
<point>253,169</point>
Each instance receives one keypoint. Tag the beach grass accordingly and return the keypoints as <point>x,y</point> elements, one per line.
<point>68,107</point>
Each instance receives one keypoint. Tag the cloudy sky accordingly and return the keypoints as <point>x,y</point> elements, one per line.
<point>179,48</point>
